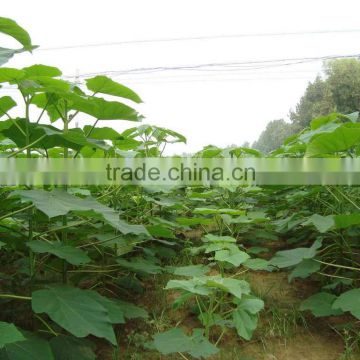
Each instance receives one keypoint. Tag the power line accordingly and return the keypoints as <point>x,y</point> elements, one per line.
<point>244,65</point>
<point>200,80</point>
<point>215,74</point>
<point>200,38</point>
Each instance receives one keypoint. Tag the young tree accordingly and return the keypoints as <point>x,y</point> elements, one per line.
<point>343,80</point>
<point>273,136</point>
<point>316,101</point>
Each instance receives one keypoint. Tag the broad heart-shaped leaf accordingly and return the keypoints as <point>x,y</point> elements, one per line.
<point>344,221</point>
<point>105,85</point>
<point>160,231</point>
<point>6,103</point>
<point>232,255</point>
<point>250,303</point>
<point>342,138</point>
<point>42,70</point>
<point>258,264</point>
<point>349,301</point>
<point>101,109</point>
<point>7,54</point>
<point>304,269</point>
<point>322,223</point>
<point>59,202</point>
<point>140,265</point>
<point>69,253</point>
<point>51,102</point>
<point>75,310</point>
<point>245,316</point>
<point>175,340</point>
<point>115,313</point>
<point>11,28</point>
<point>245,323</point>
<point>193,286</point>
<point>131,311</point>
<point>320,304</point>
<point>287,258</point>
<point>233,286</point>
<point>70,348</point>
<point>206,285</point>
<point>35,84</point>
<point>104,133</point>
<point>29,349</point>
<point>10,74</point>
<point>9,334</point>
<point>45,136</point>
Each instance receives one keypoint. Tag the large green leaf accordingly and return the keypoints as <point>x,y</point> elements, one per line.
<point>69,253</point>
<point>245,316</point>
<point>320,304</point>
<point>349,301</point>
<point>233,286</point>
<point>59,202</point>
<point>45,136</point>
<point>175,340</point>
<point>342,138</point>
<point>160,231</point>
<point>11,28</point>
<point>42,70</point>
<point>194,286</point>
<point>305,268</point>
<point>70,348</point>
<point>346,220</point>
<point>29,349</point>
<point>140,265</point>
<point>101,109</point>
<point>245,323</point>
<point>105,85</point>
<point>131,311</point>
<point>206,285</point>
<point>287,258</point>
<point>104,133</point>
<point>7,54</point>
<point>322,223</point>
<point>6,103</point>
<point>75,310</point>
<point>11,75</point>
<point>9,334</point>
<point>232,255</point>
<point>258,264</point>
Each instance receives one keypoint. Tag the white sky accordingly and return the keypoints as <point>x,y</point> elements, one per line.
<point>213,109</point>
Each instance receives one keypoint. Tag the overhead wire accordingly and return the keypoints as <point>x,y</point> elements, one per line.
<point>200,38</point>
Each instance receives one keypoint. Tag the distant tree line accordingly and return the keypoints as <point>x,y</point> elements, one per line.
<point>338,90</point>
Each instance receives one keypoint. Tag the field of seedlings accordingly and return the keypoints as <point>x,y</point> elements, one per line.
<point>131,272</point>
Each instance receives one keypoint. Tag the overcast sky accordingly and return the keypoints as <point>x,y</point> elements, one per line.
<point>209,107</point>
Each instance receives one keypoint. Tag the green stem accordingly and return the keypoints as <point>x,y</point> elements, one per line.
<point>30,211</point>
<point>64,218</point>
<point>16,297</point>
<point>16,212</point>
<point>27,147</point>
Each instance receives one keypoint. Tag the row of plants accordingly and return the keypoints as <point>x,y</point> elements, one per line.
<point>75,260</point>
